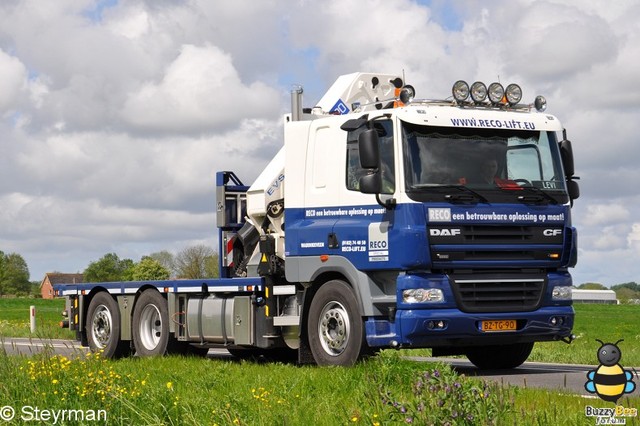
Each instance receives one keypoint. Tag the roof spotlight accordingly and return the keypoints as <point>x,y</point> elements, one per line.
<point>513,93</point>
<point>496,93</point>
<point>478,92</point>
<point>407,94</point>
<point>540,103</point>
<point>460,91</point>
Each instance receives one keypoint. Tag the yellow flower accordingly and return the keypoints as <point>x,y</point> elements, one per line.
<point>54,381</point>
<point>169,385</point>
<point>354,419</point>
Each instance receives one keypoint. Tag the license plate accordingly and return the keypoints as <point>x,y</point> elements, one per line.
<point>500,325</point>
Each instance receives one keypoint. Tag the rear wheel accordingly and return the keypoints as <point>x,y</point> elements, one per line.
<point>499,357</point>
<point>103,326</point>
<point>334,326</point>
<point>151,324</point>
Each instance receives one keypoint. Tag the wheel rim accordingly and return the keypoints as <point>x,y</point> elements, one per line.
<point>101,326</point>
<point>334,328</point>
<point>150,327</point>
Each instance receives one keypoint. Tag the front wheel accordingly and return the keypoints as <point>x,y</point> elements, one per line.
<point>103,326</point>
<point>151,324</point>
<point>334,325</point>
<point>499,357</point>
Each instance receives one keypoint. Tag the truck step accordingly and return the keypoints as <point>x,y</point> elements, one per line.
<point>283,290</point>
<point>286,320</point>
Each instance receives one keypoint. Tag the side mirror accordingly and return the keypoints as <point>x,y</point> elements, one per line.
<point>371,183</point>
<point>574,189</point>
<point>566,153</point>
<point>368,147</point>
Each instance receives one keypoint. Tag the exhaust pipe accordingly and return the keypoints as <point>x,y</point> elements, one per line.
<point>296,102</point>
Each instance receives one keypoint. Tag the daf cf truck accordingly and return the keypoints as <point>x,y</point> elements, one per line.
<point>384,221</point>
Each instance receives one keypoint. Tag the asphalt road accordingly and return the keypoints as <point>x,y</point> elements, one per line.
<point>561,377</point>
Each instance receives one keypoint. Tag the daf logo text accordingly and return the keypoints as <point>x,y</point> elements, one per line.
<point>444,232</point>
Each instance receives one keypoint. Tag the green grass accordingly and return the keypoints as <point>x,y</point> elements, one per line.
<point>14,318</point>
<point>385,390</point>
<point>608,323</point>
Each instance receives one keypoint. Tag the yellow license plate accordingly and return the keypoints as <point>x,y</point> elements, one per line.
<point>501,325</point>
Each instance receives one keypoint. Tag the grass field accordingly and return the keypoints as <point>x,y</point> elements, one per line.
<point>14,318</point>
<point>608,323</point>
<point>384,390</point>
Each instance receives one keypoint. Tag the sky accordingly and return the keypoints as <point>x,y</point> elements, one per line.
<point>115,115</point>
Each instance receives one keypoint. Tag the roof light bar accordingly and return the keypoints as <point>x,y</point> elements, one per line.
<point>497,95</point>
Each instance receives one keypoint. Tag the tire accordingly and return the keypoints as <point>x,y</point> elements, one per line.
<point>334,327</point>
<point>103,326</point>
<point>151,324</point>
<point>499,357</point>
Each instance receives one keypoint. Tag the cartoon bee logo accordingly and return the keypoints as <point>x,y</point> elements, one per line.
<point>609,381</point>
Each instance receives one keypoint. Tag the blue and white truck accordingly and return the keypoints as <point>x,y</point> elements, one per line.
<point>385,221</point>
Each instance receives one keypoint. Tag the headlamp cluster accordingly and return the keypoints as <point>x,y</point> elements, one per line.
<point>479,93</point>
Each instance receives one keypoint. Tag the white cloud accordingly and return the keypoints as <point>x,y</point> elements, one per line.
<point>199,91</point>
<point>605,214</point>
<point>12,81</point>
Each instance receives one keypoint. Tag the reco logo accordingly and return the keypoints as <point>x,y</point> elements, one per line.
<point>552,232</point>
<point>444,232</point>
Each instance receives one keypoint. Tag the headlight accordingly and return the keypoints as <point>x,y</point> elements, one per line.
<point>561,293</point>
<point>478,92</point>
<point>460,91</point>
<point>496,93</point>
<point>513,93</point>
<point>422,295</point>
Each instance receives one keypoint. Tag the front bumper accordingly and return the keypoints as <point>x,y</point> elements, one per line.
<point>414,328</point>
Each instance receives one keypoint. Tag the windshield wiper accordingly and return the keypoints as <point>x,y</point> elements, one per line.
<point>536,195</point>
<point>464,195</point>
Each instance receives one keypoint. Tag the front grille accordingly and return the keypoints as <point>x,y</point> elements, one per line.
<point>484,294</point>
<point>494,234</point>
<point>494,243</point>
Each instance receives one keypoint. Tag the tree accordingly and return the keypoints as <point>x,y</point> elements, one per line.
<point>109,268</point>
<point>149,269</point>
<point>14,274</point>
<point>211,266</point>
<point>165,259</point>
<point>592,286</point>
<point>623,294</point>
<point>631,286</point>
<point>196,262</point>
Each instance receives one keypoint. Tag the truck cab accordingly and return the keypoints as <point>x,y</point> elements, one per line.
<point>448,222</point>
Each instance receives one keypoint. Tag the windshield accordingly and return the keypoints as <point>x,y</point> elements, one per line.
<point>495,165</point>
